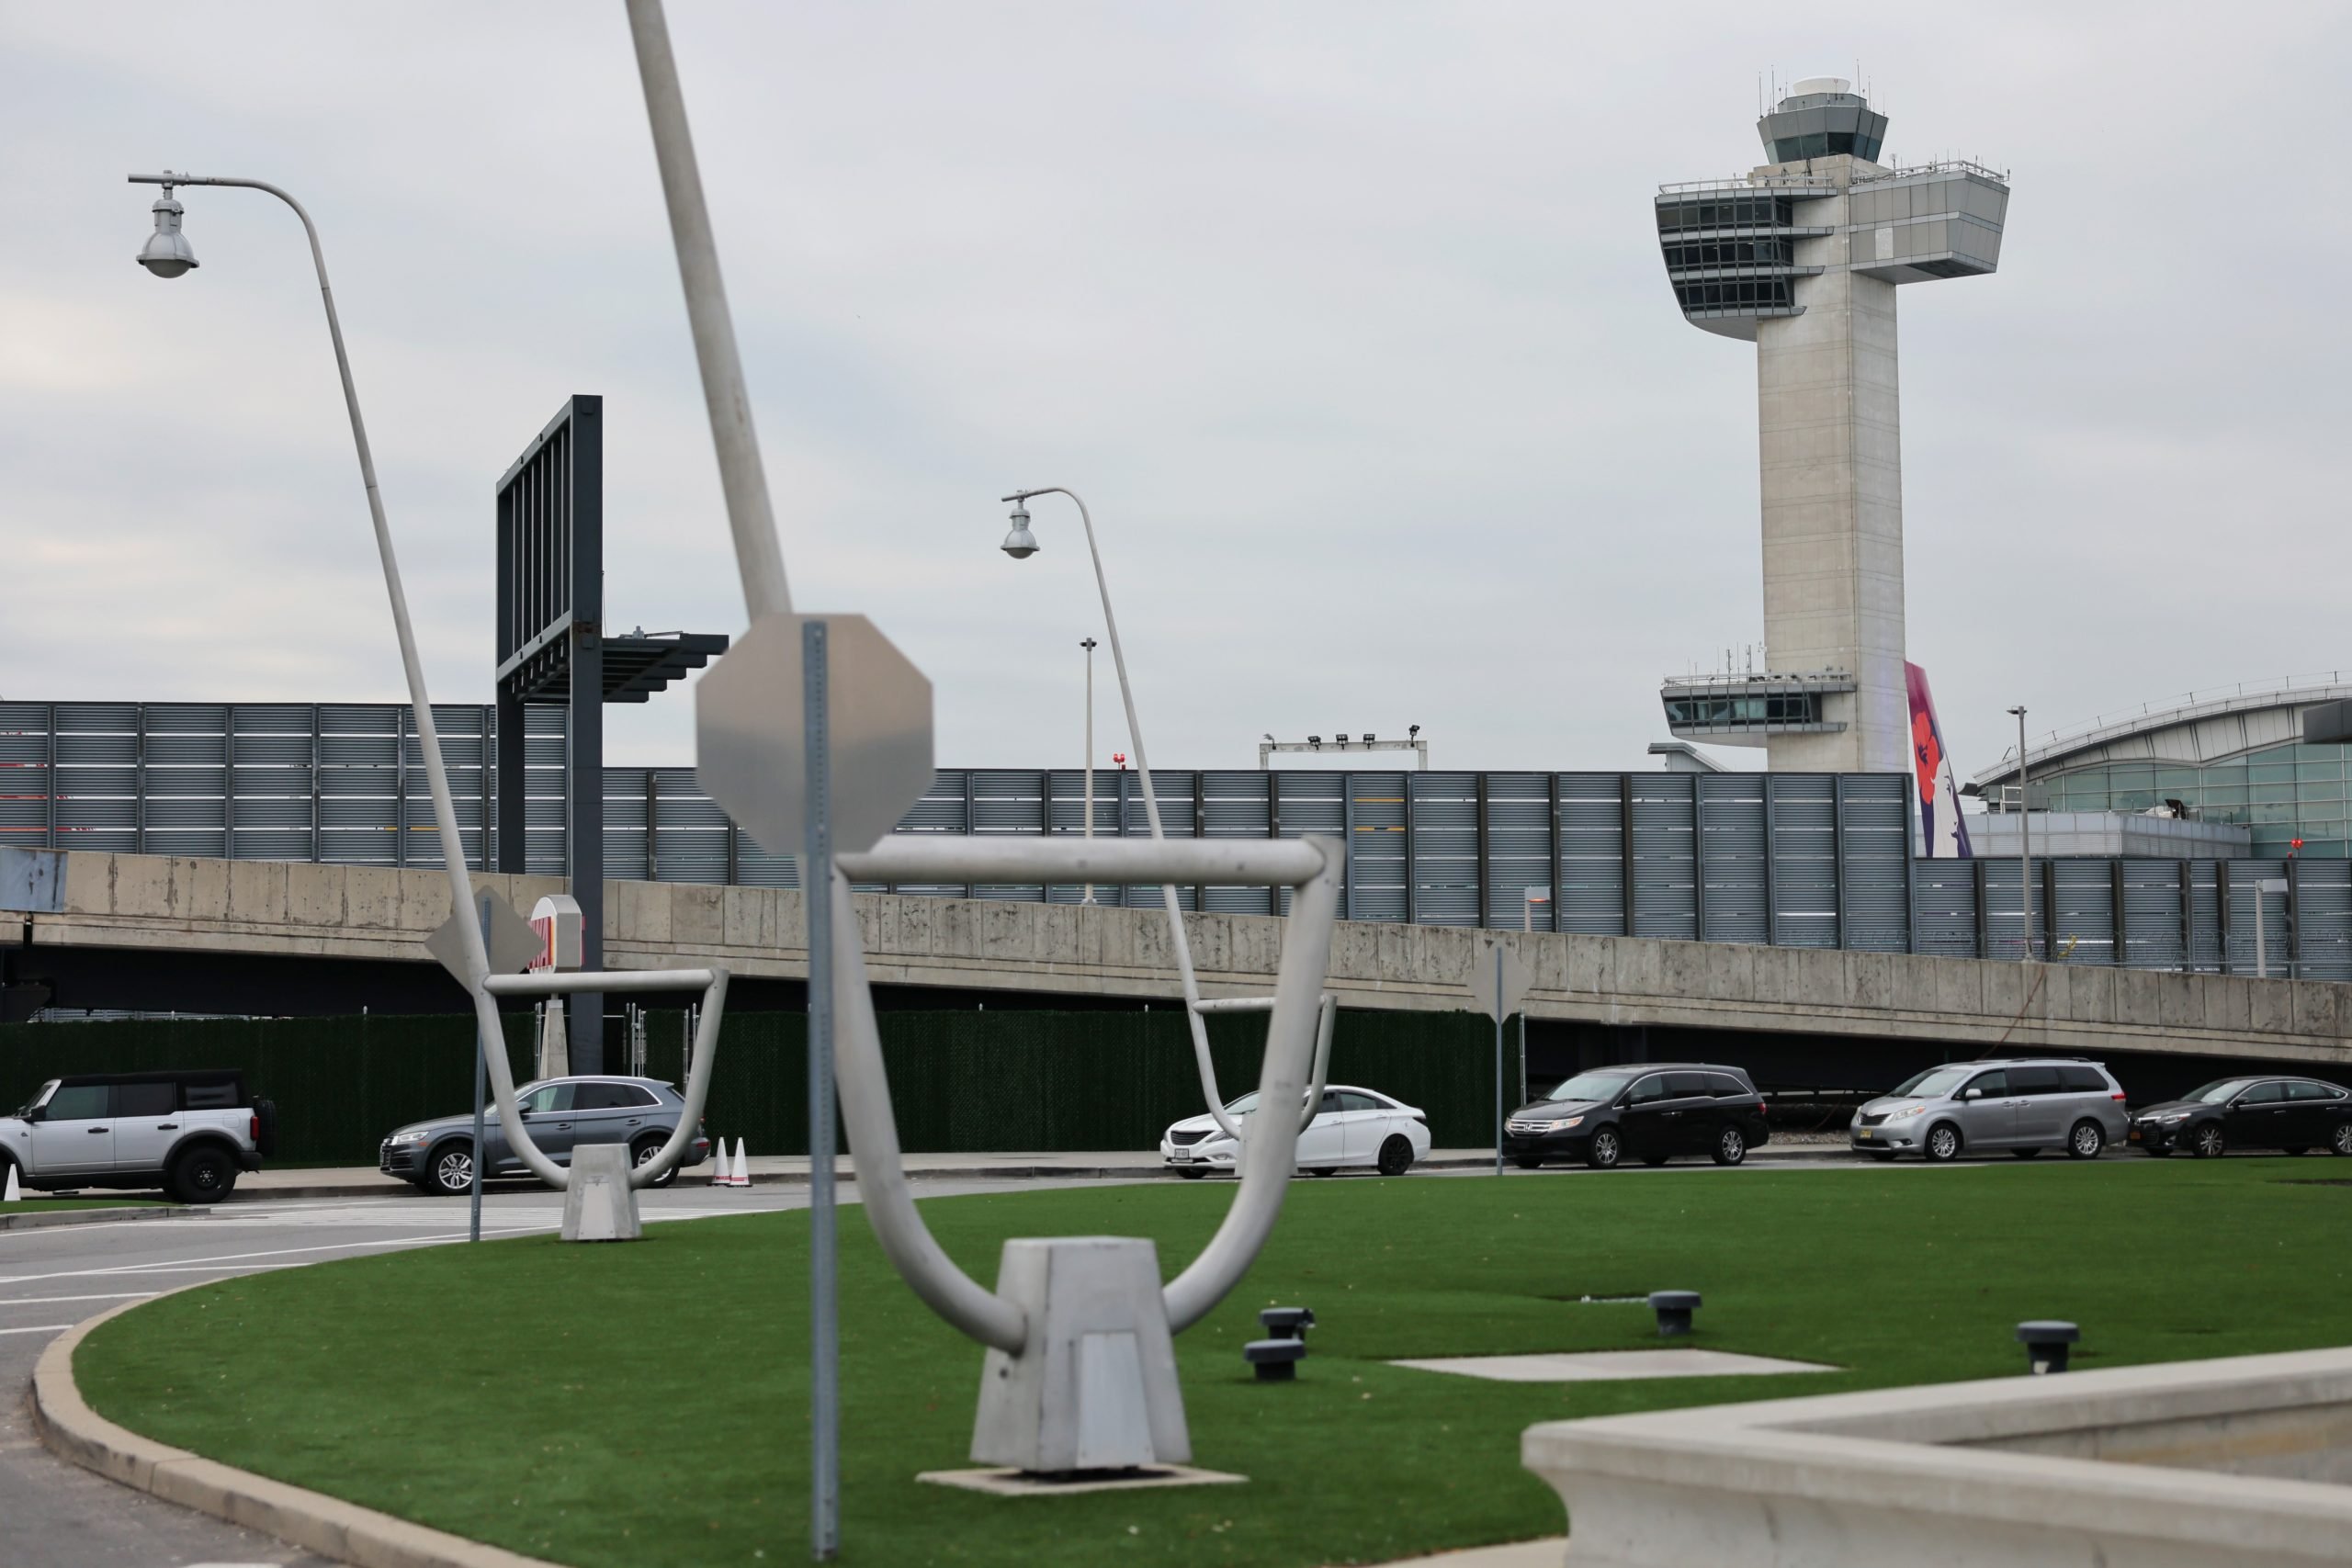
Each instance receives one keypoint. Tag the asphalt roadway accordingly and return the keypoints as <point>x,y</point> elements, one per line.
<point>55,1515</point>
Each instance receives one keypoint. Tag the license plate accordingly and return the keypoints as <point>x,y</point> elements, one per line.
<point>1180,1154</point>
<point>1861,1132</point>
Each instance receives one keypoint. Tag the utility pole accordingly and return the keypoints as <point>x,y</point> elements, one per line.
<point>2025,849</point>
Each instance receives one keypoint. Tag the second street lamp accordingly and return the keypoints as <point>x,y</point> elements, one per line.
<point>1021,544</point>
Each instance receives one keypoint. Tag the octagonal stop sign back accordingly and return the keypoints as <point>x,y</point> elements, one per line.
<point>750,755</point>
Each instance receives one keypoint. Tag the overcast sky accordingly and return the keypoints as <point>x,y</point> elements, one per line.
<point>1348,320</point>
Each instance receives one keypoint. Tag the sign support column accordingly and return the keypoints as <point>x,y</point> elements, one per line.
<point>824,1348</point>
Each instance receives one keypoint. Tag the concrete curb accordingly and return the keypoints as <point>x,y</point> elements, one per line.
<point>34,1220</point>
<point>328,1526</point>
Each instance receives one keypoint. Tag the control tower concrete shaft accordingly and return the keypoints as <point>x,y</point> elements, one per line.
<point>1801,257</point>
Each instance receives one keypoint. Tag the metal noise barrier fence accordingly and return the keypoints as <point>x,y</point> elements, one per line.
<point>1797,860</point>
<point>965,1082</point>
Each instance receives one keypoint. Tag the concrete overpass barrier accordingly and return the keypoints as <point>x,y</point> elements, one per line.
<point>294,909</point>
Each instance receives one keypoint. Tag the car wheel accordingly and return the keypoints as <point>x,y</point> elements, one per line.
<point>1730,1147</point>
<point>645,1150</point>
<point>1396,1155</point>
<point>2085,1141</point>
<point>1605,1151</point>
<point>451,1172</point>
<point>2209,1143</point>
<point>203,1175</point>
<point>2023,1154</point>
<point>2340,1141</point>
<point>1191,1174</point>
<point>1526,1162</point>
<point>1943,1142</point>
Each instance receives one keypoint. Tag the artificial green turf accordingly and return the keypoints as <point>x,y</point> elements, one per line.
<point>647,1405</point>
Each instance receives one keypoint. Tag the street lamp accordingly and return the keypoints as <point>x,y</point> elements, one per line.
<point>2025,848</point>
<point>167,253</point>
<point>1021,544</point>
<point>1089,644</point>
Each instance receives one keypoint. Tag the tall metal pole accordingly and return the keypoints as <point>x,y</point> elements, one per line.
<point>2025,849</point>
<point>428,734</point>
<point>824,1344</point>
<point>1499,1058</point>
<point>481,1081</point>
<point>1089,646</point>
<point>1177,940</point>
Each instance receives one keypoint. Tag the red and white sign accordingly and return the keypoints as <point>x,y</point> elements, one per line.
<point>556,920</point>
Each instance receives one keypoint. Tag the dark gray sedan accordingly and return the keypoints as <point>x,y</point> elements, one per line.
<point>563,1114</point>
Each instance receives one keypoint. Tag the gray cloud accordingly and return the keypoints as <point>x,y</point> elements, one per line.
<point>1346,319</point>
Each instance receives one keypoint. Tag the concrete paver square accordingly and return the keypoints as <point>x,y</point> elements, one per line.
<point>1608,1366</point>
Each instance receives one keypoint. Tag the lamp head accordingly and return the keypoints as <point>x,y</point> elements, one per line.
<point>1021,544</point>
<point>167,253</point>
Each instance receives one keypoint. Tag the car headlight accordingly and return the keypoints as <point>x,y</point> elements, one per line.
<point>2175,1116</point>
<point>1568,1122</point>
<point>1901,1112</point>
<point>407,1138</point>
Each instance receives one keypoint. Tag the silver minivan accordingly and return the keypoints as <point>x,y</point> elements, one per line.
<point>2024,1106</point>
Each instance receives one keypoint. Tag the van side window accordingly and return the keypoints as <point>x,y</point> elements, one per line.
<point>1722,1085</point>
<point>1648,1091</point>
<point>2033,1080</point>
<point>211,1096</point>
<point>1687,1086</point>
<point>1989,1084</point>
<point>2082,1081</point>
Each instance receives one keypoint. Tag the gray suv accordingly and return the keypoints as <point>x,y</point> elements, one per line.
<point>2023,1105</point>
<point>438,1155</point>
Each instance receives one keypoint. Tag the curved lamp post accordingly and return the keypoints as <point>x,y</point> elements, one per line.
<point>167,253</point>
<point>1020,543</point>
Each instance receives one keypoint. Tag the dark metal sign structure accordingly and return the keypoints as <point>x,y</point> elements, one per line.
<point>553,651</point>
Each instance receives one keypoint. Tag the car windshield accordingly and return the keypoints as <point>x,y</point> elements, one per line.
<point>2214,1093</point>
<point>1587,1086</point>
<point>1934,1081</point>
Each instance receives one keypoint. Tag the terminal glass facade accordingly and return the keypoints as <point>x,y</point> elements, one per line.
<point>2279,794</point>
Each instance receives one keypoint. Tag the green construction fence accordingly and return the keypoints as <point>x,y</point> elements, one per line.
<point>984,1081</point>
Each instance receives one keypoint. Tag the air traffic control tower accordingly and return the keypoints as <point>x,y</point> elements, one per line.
<point>1801,257</point>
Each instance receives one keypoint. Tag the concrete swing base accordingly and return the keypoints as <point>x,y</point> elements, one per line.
<point>1004,1483</point>
<point>1094,1388</point>
<point>600,1205</point>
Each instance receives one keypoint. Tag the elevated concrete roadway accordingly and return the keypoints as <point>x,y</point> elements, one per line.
<point>161,904</point>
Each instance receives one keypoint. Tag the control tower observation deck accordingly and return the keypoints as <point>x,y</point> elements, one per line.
<point>1801,257</point>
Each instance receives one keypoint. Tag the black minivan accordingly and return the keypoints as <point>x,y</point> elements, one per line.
<point>1650,1113</point>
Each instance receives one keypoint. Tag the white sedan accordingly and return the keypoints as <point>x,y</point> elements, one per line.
<point>1352,1127</point>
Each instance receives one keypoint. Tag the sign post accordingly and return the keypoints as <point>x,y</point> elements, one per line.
<point>824,1328</point>
<point>1497,984</point>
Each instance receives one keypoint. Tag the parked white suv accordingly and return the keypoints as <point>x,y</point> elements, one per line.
<point>187,1132</point>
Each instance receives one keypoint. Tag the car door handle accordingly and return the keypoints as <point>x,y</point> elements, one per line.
<point>97,1129</point>
<point>563,1126</point>
<point>636,1121</point>
<point>167,1126</point>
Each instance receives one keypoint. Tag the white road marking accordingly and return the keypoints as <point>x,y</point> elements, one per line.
<point>39,1328</point>
<point>44,1301</point>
